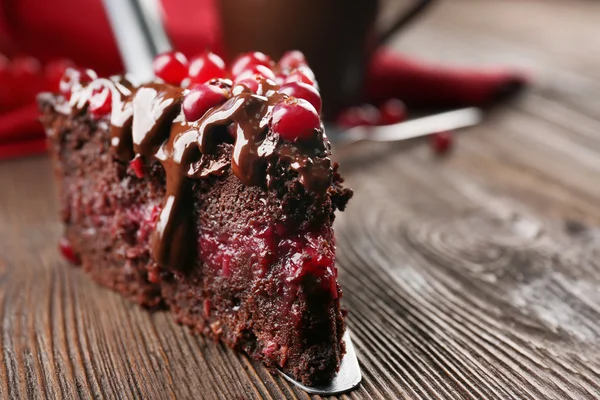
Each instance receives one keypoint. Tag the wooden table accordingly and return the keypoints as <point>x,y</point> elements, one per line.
<point>473,276</point>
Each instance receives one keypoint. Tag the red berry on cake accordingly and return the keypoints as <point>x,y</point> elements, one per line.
<point>100,102</point>
<point>74,77</point>
<point>246,60</point>
<point>259,70</point>
<point>205,67</point>
<point>251,83</point>
<point>200,99</point>
<point>292,59</point>
<point>302,74</point>
<point>304,91</point>
<point>137,166</point>
<point>295,119</point>
<point>171,67</point>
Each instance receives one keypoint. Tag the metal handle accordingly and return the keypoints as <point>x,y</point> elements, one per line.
<point>139,33</point>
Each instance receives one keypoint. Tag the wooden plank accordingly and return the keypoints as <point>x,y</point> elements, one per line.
<point>472,276</point>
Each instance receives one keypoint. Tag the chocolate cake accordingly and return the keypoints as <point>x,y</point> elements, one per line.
<point>214,199</point>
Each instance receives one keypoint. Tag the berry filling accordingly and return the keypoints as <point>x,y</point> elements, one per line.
<point>308,255</point>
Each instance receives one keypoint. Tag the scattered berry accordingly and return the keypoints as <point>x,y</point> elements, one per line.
<point>137,165</point>
<point>292,59</point>
<point>302,74</point>
<point>54,71</point>
<point>100,102</point>
<point>441,142</point>
<point>244,61</point>
<point>295,119</point>
<point>392,111</point>
<point>73,77</point>
<point>365,115</point>
<point>205,67</point>
<point>253,70</point>
<point>171,67</point>
<point>65,248</point>
<point>200,99</point>
<point>304,91</point>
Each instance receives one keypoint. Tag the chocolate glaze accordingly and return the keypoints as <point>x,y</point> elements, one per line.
<point>148,121</point>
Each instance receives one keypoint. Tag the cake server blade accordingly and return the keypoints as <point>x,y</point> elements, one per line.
<point>418,127</point>
<point>139,33</point>
<point>347,378</point>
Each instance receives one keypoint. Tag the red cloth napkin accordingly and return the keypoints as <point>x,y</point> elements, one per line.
<point>79,30</point>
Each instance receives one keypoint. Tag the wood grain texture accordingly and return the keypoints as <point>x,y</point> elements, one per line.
<point>476,276</point>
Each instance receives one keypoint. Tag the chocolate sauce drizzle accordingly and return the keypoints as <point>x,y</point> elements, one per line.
<point>148,121</point>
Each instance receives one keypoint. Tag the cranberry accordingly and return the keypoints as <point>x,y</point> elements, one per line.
<point>359,116</point>
<point>154,274</point>
<point>54,71</point>
<point>260,70</point>
<point>302,74</point>
<point>64,246</point>
<point>303,91</point>
<point>73,77</point>
<point>295,119</point>
<point>251,83</point>
<point>205,67</point>
<point>441,142</point>
<point>100,102</point>
<point>200,99</point>
<point>292,59</point>
<point>171,67</point>
<point>244,61</point>
<point>137,165</point>
<point>392,112</point>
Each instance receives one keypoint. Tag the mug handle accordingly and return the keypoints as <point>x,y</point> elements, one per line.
<point>412,13</point>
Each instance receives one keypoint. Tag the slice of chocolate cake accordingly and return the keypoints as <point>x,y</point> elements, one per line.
<point>215,200</point>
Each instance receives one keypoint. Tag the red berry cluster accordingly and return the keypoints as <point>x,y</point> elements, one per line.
<point>294,118</point>
<point>23,77</point>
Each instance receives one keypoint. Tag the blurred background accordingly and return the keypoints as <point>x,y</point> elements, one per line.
<point>413,54</point>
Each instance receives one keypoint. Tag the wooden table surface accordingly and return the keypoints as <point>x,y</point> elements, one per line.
<point>473,276</point>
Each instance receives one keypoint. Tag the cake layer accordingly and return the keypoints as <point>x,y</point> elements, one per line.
<point>263,278</point>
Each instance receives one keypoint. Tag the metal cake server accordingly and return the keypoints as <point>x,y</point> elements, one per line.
<point>140,36</point>
<point>414,128</point>
<point>347,378</point>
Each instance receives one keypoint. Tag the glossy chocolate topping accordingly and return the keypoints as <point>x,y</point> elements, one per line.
<point>148,121</point>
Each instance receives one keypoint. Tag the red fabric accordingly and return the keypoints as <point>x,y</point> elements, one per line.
<point>79,30</point>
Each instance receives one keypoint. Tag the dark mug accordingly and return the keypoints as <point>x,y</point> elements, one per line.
<point>337,37</point>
